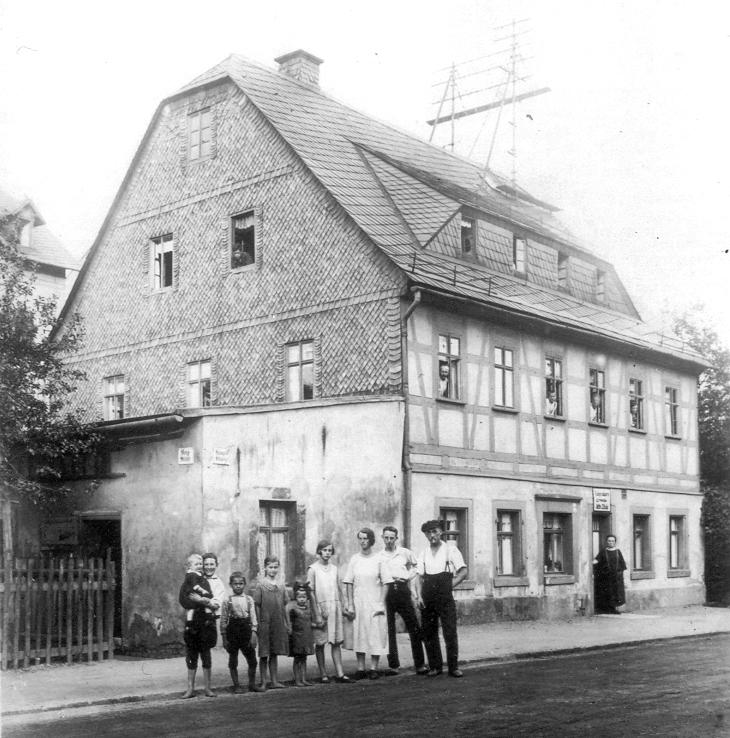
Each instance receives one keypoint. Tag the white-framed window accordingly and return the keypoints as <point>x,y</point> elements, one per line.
<point>300,370</point>
<point>519,255</point>
<point>509,543</point>
<point>163,254</point>
<point>557,543</point>
<point>671,411</point>
<point>553,386</point>
<point>200,134</point>
<point>114,397</point>
<point>199,384</point>
<point>449,367</point>
<point>597,396</point>
<point>641,552</point>
<point>243,240</point>
<point>504,379</point>
<point>456,528</point>
<point>677,543</point>
<point>276,536</point>
<point>636,404</point>
<point>468,235</point>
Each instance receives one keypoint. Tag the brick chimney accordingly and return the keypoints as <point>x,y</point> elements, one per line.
<point>301,65</point>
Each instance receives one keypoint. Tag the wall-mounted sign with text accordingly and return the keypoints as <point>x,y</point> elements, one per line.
<point>222,456</point>
<point>185,456</point>
<point>601,500</point>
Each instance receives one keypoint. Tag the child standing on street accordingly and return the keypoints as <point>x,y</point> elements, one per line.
<point>238,630</point>
<point>302,637</point>
<point>274,627</point>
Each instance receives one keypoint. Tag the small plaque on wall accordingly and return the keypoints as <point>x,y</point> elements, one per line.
<point>222,456</point>
<point>601,500</point>
<point>185,456</point>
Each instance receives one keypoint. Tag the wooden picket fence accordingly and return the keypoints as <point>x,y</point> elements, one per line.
<point>56,610</point>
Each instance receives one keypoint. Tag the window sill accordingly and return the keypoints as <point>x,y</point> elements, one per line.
<point>503,580</point>
<point>674,573</point>
<point>557,579</point>
<point>243,268</point>
<point>451,400</point>
<point>466,584</point>
<point>640,431</point>
<point>596,424</point>
<point>638,574</point>
<point>503,409</point>
<point>672,437</point>
<point>555,418</point>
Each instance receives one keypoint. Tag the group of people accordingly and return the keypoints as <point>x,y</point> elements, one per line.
<point>355,611</point>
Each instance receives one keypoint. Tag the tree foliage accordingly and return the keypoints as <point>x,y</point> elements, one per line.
<point>36,429</point>
<point>713,397</point>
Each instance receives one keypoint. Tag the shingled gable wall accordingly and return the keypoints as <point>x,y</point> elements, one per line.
<point>316,276</point>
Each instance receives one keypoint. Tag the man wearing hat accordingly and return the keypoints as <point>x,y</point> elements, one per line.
<point>440,567</point>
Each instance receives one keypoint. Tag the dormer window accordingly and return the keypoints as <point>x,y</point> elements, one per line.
<point>468,236</point>
<point>600,286</point>
<point>563,266</point>
<point>519,255</point>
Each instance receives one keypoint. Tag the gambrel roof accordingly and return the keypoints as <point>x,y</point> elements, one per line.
<point>402,192</point>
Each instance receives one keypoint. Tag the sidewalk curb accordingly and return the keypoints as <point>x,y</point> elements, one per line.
<point>489,660</point>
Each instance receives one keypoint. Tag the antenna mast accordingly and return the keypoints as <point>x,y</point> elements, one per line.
<point>506,88</point>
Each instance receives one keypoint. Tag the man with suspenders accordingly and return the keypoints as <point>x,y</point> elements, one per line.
<point>441,568</point>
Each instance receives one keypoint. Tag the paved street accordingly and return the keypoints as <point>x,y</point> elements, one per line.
<point>674,688</point>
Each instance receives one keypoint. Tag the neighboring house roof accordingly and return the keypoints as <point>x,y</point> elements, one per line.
<point>44,248</point>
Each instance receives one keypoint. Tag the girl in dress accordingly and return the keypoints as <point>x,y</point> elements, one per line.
<point>326,600</point>
<point>302,638</point>
<point>274,627</point>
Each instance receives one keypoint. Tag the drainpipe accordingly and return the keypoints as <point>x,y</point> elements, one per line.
<point>406,456</point>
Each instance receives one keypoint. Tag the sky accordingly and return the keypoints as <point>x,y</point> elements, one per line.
<point>631,143</point>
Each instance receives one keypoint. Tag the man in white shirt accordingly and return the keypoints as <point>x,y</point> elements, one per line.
<point>401,565</point>
<point>440,568</point>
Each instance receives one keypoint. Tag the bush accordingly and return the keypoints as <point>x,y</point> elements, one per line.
<point>716,527</point>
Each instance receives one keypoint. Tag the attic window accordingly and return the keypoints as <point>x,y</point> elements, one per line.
<point>200,134</point>
<point>162,256</point>
<point>563,265</point>
<point>519,255</point>
<point>243,240</point>
<point>468,235</point>
<point>600,286</point>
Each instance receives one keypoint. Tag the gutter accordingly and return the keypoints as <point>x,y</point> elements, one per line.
<point>406,453</point>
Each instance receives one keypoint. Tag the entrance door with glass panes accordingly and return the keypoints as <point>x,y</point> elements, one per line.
<point>601,527</point>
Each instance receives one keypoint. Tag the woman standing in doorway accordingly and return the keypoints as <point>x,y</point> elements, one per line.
<point>609,567</point>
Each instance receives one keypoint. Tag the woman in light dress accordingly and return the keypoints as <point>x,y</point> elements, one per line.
<point>365,585</point>
<point>326,611</point>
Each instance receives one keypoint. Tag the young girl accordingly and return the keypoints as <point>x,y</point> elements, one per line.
<point>302,638</point>
<point>274,627</point>
<point>327,611</point>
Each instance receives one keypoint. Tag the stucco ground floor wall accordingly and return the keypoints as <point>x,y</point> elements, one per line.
<point>244,483</point>
<point>530,545</point>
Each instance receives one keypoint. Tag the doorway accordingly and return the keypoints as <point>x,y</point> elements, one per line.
<point>601,527</point>
<point>97,536</point>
